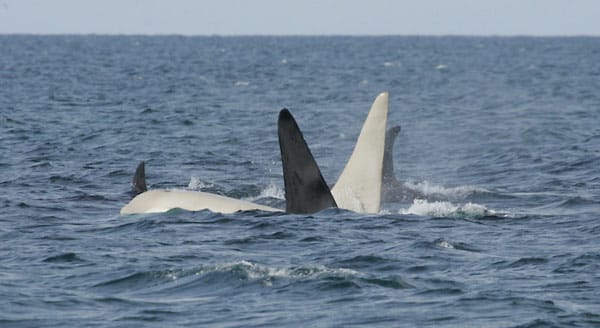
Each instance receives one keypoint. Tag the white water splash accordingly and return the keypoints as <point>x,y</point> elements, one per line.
<point>445,244</point>
<point>255,271</point>
<point>430,189</point>
<point>197,184</point>
<point>392,64</point>
<point>447,209</point>
<point>271,191</point>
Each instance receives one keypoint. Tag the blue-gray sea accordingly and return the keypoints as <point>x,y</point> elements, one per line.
<point>500,136</point>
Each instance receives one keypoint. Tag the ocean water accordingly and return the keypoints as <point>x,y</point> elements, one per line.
<point>500,136</point>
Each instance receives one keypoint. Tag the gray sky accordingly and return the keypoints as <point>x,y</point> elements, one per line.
<point>301,17</point>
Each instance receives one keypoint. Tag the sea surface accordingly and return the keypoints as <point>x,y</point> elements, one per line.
<point>500,136</point>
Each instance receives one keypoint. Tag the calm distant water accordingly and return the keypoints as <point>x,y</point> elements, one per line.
<point>502,135</point>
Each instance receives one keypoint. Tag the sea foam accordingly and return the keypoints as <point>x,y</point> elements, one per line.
<point>444,209</point>
<point>429,189</point>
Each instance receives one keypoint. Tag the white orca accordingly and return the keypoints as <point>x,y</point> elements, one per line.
<point>162,200</point>
<point>358,188</point>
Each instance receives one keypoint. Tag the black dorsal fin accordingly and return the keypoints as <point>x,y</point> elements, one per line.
<point>388,154</point>
<point>305,189</point>
<point>138,184</point>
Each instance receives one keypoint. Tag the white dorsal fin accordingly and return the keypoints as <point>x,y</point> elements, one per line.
<point>359,186</point>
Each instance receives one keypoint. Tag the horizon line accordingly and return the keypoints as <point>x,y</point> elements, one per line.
<point>225,35</point>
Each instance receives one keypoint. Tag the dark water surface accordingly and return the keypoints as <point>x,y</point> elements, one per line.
<point>501,135</point>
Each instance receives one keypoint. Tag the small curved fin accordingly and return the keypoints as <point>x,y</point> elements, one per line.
<point>138,184</point>
<point>305,189</point>
<point>359,186</point>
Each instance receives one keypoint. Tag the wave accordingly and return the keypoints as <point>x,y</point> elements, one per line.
<point>445,209</point>
<point>271,191</point>
<point>65,257</point>
<point>392,64</point>
<point>197,184</point>
<point>252,271</point>
<point>234,277</point>
<point>441,207</point>
<point>227,274</point>
<point>429,189</point>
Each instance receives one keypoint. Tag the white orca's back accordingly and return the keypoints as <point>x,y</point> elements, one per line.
<point>160,200</point>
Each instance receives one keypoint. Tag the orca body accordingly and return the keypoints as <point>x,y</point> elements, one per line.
<point>359,186</point>
<point>393,190</point>
<point>163,200</point>
<point>305,189</point>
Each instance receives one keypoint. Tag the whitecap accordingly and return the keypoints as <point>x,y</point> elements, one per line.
<point>423,208</point>
<point>444,209</point>
<point>429,189</point>
<point>254,271</point>
<point>391,64</point>
<point>197,184</point>
<point>271,191</point>
<point>445,244</point>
